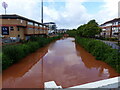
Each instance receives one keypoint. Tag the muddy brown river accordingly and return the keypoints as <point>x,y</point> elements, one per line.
<point>62,61</point>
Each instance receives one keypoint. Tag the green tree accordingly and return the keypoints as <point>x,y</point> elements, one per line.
<point>89,30</point>
<point>71,33</point>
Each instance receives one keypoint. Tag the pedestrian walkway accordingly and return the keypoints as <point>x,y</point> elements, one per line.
<point>112,44</point>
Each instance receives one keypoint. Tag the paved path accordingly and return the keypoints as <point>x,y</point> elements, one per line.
<point>112,44</point>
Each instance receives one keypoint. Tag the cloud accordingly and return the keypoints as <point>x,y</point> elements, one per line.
<point>26,8</point>
<point>108,11</point>
<point>71,15</point>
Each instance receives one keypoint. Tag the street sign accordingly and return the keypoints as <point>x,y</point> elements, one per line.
<point>5,30</point>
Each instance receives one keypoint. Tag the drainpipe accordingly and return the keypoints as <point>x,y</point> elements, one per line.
<point>110,31</point>
<point>118,22</point>
<point>118,34</point>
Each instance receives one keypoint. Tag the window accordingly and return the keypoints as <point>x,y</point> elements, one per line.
<point>36,24</point>
<point>11,28</point>
<point>21,21</point>
<point>40,28</point>
<point>109,24</point>
<point>40,25</point>
<point>30,28</point>
<point>18,29</point>
<point>119,23</point>
<point>30,23</point>
<point>18,35</point>
<point>36,28</point>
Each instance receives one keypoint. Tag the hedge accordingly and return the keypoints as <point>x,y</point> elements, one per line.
<point>13,53</point>
<point>101,51</point>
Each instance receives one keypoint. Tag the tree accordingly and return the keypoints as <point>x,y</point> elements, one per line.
<point>71,33</point>
<point>89,30</point>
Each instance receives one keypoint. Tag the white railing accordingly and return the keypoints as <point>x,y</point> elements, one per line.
<point>108,83</point>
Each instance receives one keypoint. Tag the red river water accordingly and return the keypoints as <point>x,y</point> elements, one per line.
<point>62,61</point>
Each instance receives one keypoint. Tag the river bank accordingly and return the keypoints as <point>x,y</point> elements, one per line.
<point>17,76</point>
<point>101,51</point>
<point>11,54</point>
<point>63,61</point>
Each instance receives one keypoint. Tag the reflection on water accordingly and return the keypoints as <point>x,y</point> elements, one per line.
<point>66,63</point>
<point>70,65</point>
<point>27,73</point>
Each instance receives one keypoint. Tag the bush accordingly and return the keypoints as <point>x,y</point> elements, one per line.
<point>101,51</point>
<point>6,61</point>
<point>33,46</point>
<point>72,33</point>
<point>13,53</point>
<point>26,49</point>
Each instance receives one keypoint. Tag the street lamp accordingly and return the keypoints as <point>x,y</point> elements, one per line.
<point>41,11</point>
<point>5,5</point>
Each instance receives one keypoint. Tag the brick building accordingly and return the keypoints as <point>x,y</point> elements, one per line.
<point>15,26</point>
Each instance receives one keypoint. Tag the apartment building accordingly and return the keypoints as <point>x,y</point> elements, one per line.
<point>15,26</point>
<point>111,28</point>
<point>62,30</point>
<point>52,27</point>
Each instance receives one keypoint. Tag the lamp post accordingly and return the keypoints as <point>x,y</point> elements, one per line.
<point>5,5</point>
<point>42,11</point>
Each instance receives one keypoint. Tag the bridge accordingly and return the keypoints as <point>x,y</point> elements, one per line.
<point>108,84</point>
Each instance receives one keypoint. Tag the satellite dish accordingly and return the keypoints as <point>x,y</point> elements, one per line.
<point>5,5</point>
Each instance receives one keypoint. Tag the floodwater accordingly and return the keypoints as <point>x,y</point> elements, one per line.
<point>63,61</point>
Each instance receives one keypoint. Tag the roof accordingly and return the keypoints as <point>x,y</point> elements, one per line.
<point>111,21</point>
<point>14,16</point>
<point>49,23</point>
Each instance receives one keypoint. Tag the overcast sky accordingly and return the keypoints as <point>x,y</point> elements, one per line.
<point>65,13</point>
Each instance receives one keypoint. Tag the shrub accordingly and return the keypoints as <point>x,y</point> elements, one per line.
<point>101,51</point>
<point>26,49</point>
<point>33,46</point>
<point>6,61</point>
<point>13,53</point>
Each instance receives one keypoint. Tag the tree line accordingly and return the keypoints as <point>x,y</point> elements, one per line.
<point>90,30</point>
